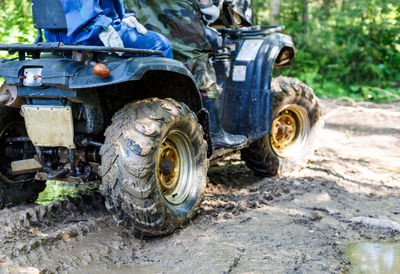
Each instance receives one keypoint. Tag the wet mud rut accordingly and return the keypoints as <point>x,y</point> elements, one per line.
<point>297,223</point>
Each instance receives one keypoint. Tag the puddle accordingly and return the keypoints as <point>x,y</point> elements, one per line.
<point>374,257</point>
<point>57,191</point>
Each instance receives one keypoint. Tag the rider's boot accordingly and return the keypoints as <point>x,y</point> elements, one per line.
<point>219,136</point>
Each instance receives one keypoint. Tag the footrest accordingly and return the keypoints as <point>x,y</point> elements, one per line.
<point>25,166</point>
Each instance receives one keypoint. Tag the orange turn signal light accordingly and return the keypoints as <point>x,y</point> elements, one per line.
<point>101,70</point>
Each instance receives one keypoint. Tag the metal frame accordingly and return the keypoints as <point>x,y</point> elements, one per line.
<point>36,49</point>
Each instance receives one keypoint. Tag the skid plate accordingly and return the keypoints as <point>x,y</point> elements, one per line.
<point>49,126</point>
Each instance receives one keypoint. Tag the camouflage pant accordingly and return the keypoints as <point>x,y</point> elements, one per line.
<point>180,21</point>
<point>204,76</point>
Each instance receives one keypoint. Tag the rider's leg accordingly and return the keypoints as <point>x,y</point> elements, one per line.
<point>130,37</point>
<point>205,77</point>
<point>151,40</point>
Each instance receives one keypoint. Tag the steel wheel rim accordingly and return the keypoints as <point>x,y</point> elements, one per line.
<point>290,131</point>
<point>175,167</point>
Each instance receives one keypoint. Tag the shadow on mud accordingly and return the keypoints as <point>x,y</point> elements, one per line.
<point>233,175</point>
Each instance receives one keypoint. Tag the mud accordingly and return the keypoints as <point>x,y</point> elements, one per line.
<point>299,223</point>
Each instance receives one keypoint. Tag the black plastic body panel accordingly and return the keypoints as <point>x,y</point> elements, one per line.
<point>49,92</point>
<point>248,103</point>
<point>54,19</point>
<point>69,74</point>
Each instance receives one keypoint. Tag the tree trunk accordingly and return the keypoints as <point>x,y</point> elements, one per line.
<point>304,16</point>
<point>275,11</point>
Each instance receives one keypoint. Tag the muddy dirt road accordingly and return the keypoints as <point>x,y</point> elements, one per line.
<point>297,223</point>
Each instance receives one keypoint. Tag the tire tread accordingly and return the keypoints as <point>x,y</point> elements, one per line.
<point>133,196</point>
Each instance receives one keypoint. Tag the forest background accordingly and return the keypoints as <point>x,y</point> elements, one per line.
<point>345,48</point>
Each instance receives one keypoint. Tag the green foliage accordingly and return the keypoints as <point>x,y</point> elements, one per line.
<point>16,25</point>
<point>57,191</point>
<point>345,47</point>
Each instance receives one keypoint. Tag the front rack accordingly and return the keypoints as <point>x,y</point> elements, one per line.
<point>56,47</point>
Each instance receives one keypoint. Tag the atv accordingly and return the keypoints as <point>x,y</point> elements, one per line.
<point>138,124</point>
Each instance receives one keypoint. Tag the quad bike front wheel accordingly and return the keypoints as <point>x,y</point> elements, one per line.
<point>154,166</point>
<point>14,189</point>
<point>295,126</point>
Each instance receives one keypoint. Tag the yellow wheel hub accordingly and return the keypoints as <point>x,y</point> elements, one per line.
<point>175,167</point>
<point>290,130</point>
<point>168,167</point>
<point>284,129</point>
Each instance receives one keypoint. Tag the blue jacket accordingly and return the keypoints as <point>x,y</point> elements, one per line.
<point>86,19</point>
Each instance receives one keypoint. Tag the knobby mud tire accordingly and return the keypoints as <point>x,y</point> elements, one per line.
<point>129,173</point>
<point>14,194</point>
<point>260,155</point>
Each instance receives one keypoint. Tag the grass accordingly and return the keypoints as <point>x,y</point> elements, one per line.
<point>57,191</point>
<point>324,87</point>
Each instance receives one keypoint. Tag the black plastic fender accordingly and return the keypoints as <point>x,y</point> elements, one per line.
<point>71,74</point>
<point>265,63</point>
<point>248,96</point>
<point>63,78</point>
<point>65,74</point>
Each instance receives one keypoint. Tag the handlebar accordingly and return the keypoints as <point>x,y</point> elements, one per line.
<point>251,31</point>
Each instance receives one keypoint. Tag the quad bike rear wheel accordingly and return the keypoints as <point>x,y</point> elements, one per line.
<point>18,189</point>
<point>154,166</point>
<point>295,126</point>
